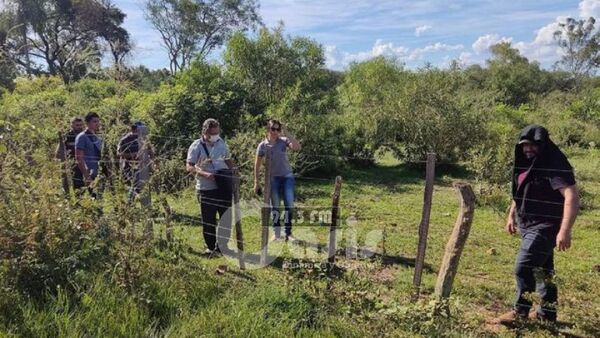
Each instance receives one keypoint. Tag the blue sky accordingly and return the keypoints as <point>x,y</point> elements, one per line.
<point>415,32</point>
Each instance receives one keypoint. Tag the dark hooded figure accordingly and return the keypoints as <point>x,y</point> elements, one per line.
<point>544,208</point>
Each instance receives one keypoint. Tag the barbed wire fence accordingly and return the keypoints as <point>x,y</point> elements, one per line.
<point>384,217</point>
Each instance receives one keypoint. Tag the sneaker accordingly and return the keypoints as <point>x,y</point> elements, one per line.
<point>509,318</point>
<point>275,238</point>
<point>290,239</point>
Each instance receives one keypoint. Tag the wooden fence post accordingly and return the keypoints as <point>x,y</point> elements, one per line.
<point>65,170</point>
<point>457,241</point>
<point>266,210</point>
<point>238,220</point>
<point>424,225</point>
<point>334,220</point>
<point>168,217</point>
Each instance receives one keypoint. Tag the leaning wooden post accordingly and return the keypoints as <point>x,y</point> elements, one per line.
<point>424,226</point>
<point>168,217</point>
<point>457,241</point>
<point>334,220</point>
<point>238,220</point>
<point>62,152</point>
<point>266,210</point>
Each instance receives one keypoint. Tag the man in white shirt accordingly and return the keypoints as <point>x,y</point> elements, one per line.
<point>207,158</point>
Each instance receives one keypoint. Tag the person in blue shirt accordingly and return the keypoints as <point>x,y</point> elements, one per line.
<point>88,151</point>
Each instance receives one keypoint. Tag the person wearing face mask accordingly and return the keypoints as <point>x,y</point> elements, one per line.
<point>208,158</point>
<point>277,143</point>
<point>544,207</point>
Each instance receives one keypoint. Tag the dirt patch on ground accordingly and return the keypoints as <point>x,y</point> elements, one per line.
<point>384,275</point>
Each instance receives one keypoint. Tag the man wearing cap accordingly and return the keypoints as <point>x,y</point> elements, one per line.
<point>544,207</point>
<point>136,154</point>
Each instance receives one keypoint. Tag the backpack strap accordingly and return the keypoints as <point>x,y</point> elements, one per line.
<point>207,153</point>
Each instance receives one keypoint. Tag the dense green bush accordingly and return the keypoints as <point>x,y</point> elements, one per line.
<point>412,113</point>
<point>44,241</point>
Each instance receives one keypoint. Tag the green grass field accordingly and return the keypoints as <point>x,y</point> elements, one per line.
<point>181,293</point>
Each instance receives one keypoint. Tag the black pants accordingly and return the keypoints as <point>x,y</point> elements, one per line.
<point>534,269</point>
<point>216,235</point>
<point>80,187</point>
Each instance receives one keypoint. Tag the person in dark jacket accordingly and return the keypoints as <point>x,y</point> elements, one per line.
<point>127,149</point>
<point>66,148</point>
<point>65,151</point>
<point>544,208</point>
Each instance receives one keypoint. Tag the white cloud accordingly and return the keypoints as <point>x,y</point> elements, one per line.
<point>483,43</point>
<point>466,58</point>
<point>545,35</point>
<point>379,49</point>
<point>337,60</point>
<point>422,29</point>
<point>348,28</point>
<point>589,8</point>
<point>332,57</point>
<point>543,48</point>
<point>437,47</point>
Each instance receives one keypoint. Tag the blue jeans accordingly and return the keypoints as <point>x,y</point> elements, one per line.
<point>282,187</point>
<point>534,269</point>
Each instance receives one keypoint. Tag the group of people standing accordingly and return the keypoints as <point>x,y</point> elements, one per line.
<point>209,159</point>
<point>82,146</point>
<point>544,208</point>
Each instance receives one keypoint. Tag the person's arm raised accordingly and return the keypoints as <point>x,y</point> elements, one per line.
<point>294,144</point>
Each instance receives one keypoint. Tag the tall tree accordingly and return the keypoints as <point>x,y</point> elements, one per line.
<point>512,76</point>
<point>63,37</point>
<point>269,65</point>
<point>7,68</point>
<point>580,42</point>
<point>116,37</point>
<point>193,28</point>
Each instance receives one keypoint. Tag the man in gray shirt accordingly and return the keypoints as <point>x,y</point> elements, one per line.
<point>205,158</point>
<point>282,177</point>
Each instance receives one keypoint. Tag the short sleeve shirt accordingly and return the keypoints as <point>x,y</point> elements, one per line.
<point>218,153</point>
<point>91,145</point>
<point>543,209</point>
<point>70,144</point>
<point>128,144</point>
<point>280,164</point>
